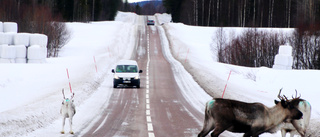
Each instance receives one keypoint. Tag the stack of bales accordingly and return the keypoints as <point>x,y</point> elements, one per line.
<point>284,60</point>
<point>21,47</point>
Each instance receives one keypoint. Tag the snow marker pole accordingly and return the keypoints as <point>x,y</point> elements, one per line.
<point>178,53</point>
<point>95,63</point>
<point>69,80</point>
<point>226,84</point>
<point>186,56</point>
<point>109,52</point>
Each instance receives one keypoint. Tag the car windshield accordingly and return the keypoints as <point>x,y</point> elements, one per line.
<point>126,68</point>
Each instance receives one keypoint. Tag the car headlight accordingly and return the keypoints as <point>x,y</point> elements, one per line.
<point>116,77</point>
<point>136,77</point>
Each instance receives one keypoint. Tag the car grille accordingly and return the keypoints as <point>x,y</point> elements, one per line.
<point>126,78</point>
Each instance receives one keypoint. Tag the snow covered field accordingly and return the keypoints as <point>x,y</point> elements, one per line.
<point>30,94</point>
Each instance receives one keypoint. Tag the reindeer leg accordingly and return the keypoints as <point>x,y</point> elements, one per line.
<point>63,121</point>
<point>207,127</point>
<point>299,128</point>
<point>70,121</point>
<point>292,134</point>
<point>218,130</point>
<point>283,132</point>
<point>220,127</point>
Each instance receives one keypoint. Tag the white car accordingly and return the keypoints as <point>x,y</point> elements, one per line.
<point>126,73</point>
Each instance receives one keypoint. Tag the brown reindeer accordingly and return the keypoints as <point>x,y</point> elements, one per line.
<point>252,119</point>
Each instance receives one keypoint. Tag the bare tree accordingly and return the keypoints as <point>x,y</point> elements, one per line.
<point>288,10</point>
<point>209,12</point>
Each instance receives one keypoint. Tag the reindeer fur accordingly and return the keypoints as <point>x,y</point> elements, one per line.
<point>298,126</point>
<point>252,119</point>
<point>67,110</point>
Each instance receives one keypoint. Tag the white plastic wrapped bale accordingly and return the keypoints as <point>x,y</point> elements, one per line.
<point>8,52</point>
<point>36,52</point>
<point>284,60</point>
<point>38,39</point>
<point>281,67</point>
<point>21,39</point>
<point>1,48</point>
<point>1,27</point>
<point>285,50</point>
<point>6,38</point>
<point>21,51</point>
<point>36,61</point>
<point>20,60</point>
<point>7,60</point>
<point>10,27</point>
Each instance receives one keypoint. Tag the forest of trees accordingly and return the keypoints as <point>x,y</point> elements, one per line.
<point>144,7</point>
<point>250,49</point>
<point>245,13</point>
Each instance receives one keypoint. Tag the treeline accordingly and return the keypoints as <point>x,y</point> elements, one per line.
<point>66,10</point>
<point>144,7</point>
<point>245,13</point>
<point>255,48</point>
<point>45,16</point>
<point>86,10</point>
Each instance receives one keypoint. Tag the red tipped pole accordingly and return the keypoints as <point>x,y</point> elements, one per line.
<point>69,80</point>
<point>95,63</point>
<point>186,56</point>
<point>226,84</point>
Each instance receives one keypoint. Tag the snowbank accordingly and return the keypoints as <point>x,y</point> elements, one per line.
<point>126,17</point>
<point>163,18</point>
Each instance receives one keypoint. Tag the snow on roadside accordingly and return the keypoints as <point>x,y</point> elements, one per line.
<point>31,93</point>
<point>191,47</point>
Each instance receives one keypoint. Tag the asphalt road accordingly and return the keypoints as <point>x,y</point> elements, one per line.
<point>157,108</point>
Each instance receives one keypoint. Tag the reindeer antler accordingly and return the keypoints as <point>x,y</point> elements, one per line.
<point>282,97</point>
<point>279,95</point>
<point>63,94</point>
<point>296,95</point>
<point>72,96</point>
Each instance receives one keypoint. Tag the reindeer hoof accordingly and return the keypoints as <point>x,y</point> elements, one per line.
<point>62,132</point>
<point>71,132</point>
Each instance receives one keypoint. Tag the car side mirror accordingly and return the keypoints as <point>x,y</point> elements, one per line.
<point>112,70</point>
<point>140,71</point>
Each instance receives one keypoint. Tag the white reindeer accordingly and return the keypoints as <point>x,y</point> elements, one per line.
<point>298,126</point>
<point>67,110</point>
